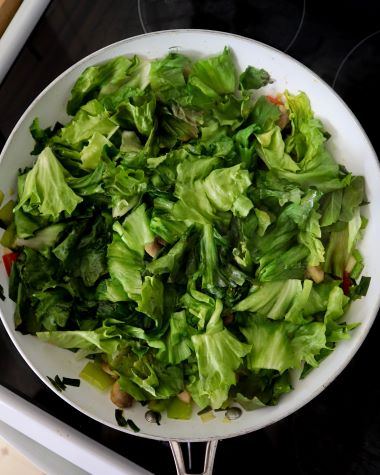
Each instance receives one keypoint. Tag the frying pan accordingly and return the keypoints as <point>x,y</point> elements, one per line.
<point>349,145</point>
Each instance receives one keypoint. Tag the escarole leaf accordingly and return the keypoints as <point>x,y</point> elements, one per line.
<point>156,380</point>
<point>170,262</point>
<point>44,239</point>
<point>205,200</point>
<point>271,149</point>
<point>353,197</point>
<point>212,278</point>
<point>151,303</point>
<point>193,203</point>
<point>216,75</point>
<point>307,132</point>
<point>265,114</point>
<point>277,345</point>
<point>91,153</point>
<point>178,343</point>
<point>340,245</point>
<point>254,78</point>
<point>311,238</point>
<point>126,253</point>
<point>90,119</point>
<point>167,76</point>
<point>272,299</point>
<point>331,206</point>
<point>135,231</point>
<point>192,235</point>
<point>225,188</point>
<point>93,78</point>
<point>219,355</point>
<point>125,187</point>
<point>45,191</point>
<point>95,341</point>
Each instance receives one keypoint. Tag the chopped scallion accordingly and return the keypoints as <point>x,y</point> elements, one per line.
<point>120,419</point>
<point>71,382</point>
<point>57,383</point>
<point>133,426</point>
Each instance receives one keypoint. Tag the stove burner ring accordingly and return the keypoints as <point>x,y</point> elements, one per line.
<point>291,43</point>
<point>352,50</point>
<point>141,17</point>
<point>298,29</point>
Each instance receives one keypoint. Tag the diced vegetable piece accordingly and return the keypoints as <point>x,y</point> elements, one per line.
<point>71,382</point>
<point>8,260</point>
<point>9,236</point>
<point>184,396</point>
<point>6,214</point>
<point>158,405</point>
<point>93,374</point>
<point>207,416</point>
<point>178,409</point>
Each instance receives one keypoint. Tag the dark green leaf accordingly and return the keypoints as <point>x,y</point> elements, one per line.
<point>94,77</point>
<point>265,114</point>
<point>120,419</point>
<point>57,383</point>
<point>132,425</point>
<point>253,78</point>
<point>71,382</point>
<point>361,289</point>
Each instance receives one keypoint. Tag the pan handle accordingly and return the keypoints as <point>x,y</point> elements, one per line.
<point>209,457</point>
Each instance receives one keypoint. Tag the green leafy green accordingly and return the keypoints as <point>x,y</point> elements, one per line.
<point>176,233</point>
<point>94,78</point>
<point>45,191</point>
<point>219,355</point>
<point>215,76</point>
<point>253,78</point>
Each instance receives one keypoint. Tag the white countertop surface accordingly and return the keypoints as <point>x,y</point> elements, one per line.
<point>60,449</point>
<point>12,462</point>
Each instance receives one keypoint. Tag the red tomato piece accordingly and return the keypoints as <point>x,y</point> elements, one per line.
<point>275,100</point>
<point>8,260</point>
<point>346,282</point>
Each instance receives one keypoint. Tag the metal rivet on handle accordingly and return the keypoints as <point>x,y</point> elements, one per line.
<point>153,417</point>
<point>233,413</point>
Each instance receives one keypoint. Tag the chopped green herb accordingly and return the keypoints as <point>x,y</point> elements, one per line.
<point>71,382</point>
<point>57,383</point>
<point>361,289</point>
<point>61,383</point>
<point>133,426</point>
<point>122,422</point>
<point>120,419</point>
